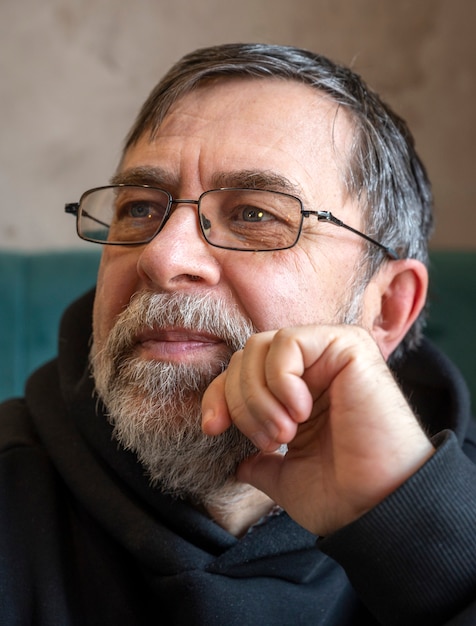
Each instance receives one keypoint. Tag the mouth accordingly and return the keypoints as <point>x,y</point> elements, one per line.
<point>178,345</point>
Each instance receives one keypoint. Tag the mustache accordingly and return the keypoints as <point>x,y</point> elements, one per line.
<point>194,312</point>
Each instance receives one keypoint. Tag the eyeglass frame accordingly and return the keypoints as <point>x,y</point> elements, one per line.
<point>74,208</point>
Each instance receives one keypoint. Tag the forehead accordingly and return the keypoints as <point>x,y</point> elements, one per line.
<point>282,127</point>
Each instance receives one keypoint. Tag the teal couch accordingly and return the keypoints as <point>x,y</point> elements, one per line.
<point>35,288</point>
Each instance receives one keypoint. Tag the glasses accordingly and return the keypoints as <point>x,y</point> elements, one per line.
<point>248,220</point>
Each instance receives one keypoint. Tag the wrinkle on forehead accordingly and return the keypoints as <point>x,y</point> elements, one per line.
<point>321,126</point>
<point>249,179</point>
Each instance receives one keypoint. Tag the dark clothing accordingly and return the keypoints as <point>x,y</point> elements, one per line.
<point>85,540</point>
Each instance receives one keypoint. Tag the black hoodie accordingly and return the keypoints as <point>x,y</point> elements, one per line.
<point>84,538</point>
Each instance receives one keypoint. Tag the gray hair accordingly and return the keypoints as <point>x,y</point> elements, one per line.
<point>383,172</point>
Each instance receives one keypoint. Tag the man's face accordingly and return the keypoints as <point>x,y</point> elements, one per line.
<point>210,138</point>
<point>230,134</point>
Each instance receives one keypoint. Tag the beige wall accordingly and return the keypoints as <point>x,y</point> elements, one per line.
<point>73,74</point>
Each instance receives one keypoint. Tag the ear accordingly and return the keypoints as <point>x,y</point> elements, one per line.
<point>393,300</point>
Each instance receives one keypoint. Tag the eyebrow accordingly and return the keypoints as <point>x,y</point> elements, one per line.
<point>247,179</point>
<point>260,179</point>
<point>153,176</point>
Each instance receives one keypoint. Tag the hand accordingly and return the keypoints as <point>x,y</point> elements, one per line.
<point>327,393</point>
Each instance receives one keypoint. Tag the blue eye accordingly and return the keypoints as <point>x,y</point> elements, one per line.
<point>139,209</point>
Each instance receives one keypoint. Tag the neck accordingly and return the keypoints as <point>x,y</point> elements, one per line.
<point>236,507</point>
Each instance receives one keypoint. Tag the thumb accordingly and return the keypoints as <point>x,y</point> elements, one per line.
<point>262,471</point>
<point>215,416</point>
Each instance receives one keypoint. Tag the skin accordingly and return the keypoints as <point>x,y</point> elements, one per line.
<point>311,385</point>
<point>327,393</point>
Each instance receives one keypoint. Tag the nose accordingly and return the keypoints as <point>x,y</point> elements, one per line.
<point>179,257</point>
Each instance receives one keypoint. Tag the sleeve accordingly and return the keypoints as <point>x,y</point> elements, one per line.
<point>412,559</point>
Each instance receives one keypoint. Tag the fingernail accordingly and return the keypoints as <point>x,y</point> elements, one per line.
<point>261,440</point>
<point>271,429</point>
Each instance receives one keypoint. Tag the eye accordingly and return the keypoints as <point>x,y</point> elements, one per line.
<point>139,209</point>
<point>254,214</point>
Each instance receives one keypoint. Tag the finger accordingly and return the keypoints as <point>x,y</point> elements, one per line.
<point>285,367</point>
<point>215,416</point>
<point>254,408</point>
<point>304,362</point>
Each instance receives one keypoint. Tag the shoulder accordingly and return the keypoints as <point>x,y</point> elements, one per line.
<point>436,390</point>
<point>24,461</point>
<point>16,426</point>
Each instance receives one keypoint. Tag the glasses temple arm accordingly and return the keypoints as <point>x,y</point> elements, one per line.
<point>328,217</point>
<point>73,208</point>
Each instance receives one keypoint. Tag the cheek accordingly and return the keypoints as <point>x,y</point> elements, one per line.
<point>117,282</point>
<point>290,288</point>
<point>276,293</point>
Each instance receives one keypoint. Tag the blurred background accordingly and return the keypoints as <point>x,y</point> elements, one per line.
<point>73,75</point>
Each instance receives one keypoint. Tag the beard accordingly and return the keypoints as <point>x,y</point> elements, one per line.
<point>155,406</point>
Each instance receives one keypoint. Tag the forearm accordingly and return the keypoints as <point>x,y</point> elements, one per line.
<point>412,559</point>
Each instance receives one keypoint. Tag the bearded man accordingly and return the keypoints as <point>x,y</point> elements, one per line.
<point>244,424</point>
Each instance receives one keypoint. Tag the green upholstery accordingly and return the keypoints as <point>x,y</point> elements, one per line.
<point>35,288</point>
<point>452,313</point>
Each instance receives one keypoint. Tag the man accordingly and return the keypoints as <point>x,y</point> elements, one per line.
<point>231,447</point>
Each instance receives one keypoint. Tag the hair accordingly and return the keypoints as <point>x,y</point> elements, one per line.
<point>383,171</point>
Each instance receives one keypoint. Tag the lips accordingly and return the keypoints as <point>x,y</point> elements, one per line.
<point>175,343</point>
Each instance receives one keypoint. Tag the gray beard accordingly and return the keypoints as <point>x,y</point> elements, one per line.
<point>155,406</point>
